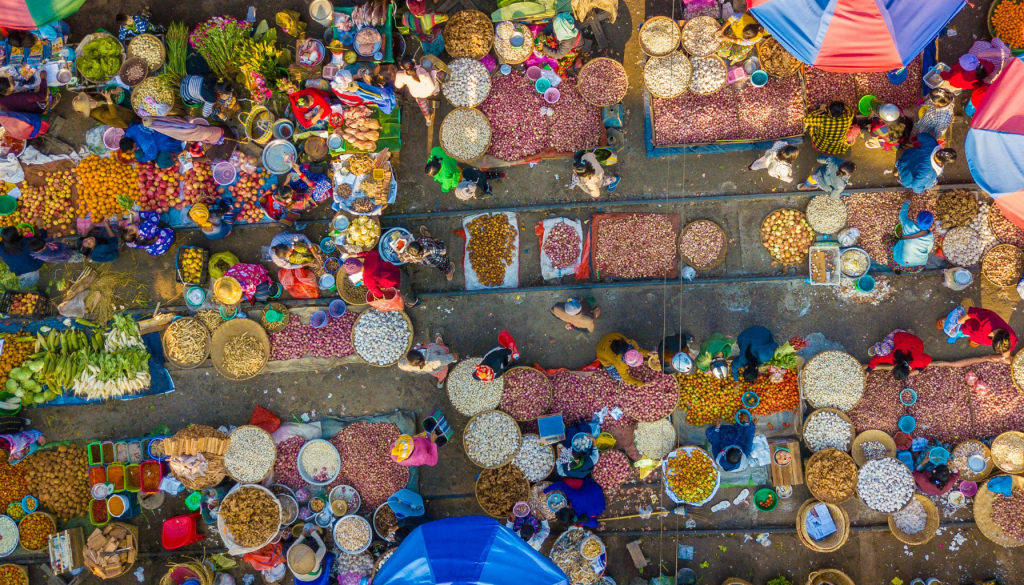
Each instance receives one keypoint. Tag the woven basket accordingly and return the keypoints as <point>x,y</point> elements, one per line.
<point>80,52</point>
<point>820,496</point>
<point>830,576</point>
<point>465,446</point>
<point>735,581</point>
<point>440,136</point>
<point>133,552</point>
<point>163,50</point>
<point>725,82</point>
<point>983,514</point>
<point>524,495</point>
<point>759,48</point>
<point>685,84</point>
<point>206,352</point>
<point>547,381</point>
<point>235,328</point>
<point>539,501</point>
<point>1003,465</point>
<point>986,266</point>
<point>280,325</point>
<point>269,471</point>
<point>832,542</point>
<point>501,47</point>
<point>721,253</point>
<point>797,263</point>
<point>1016,362</point>
<point>687,26</point>
<point>842,415</point>
<point>550,449</point>
<point>645,49</point>
<point>463,18</point>
<point>583,73</point>
<point>408,344</point>
<point>354,296</point>
<point>800,379</point>
<point>22,568</point>
<point>929,529</point>
<point>868,436</point>
<point>38,513</point>
<point>965,473</point>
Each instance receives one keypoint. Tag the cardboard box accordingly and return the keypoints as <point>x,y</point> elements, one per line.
<point>787,465</point>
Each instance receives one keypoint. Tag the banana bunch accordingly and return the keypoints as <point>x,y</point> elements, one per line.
<point>64,354</point>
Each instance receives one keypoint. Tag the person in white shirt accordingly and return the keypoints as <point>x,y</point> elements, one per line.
<point>778,160</point>
<point>421,85</point>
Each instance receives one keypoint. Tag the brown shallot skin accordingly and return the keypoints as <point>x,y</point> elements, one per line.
<point>640,245</point>
<point>562,245</point>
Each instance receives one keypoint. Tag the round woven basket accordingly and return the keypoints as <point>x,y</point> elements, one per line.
<point>800,377</point>
<point>690,25</point>
<point>1004,465</point>
<point>647,51</point>
<point>842,415</point>
<point>80,52</point>
<point>814,459</point>
<point>524,495</point>
<point>539,501</point>
<point>206,351</point>
<point>965,473</point>
<point>830,543</point>
<point>235,328</point>
<point>1016,364</point>
<point>868,436</point>
<point>735,581</point>
<point>22,568</point>
<point>440,136</point>
<point>38,513</point>
<point>589,68</point>
<point>721,253</point>
<point>463,18</point>
<point>986,266</point>
<point>408,343</point>
<point>547,382</point>
<point>759,47</point>
<point>268,436</point>
<point>725,81</point>
<point>280,325</point>
<point>797,263</point>
<point>830,577</point>
<point>507,51</point>
<point>688,77</point>
<point>551,450</point>
<point>983,514</point>
<point>354,296</point>
<point>133,551</point>
<point>929,529</point>
<point>135,42</point>
<point>507,460</point>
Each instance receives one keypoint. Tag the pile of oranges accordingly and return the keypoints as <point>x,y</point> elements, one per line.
<point>50,203</point>
<point>691,476</point>
<point>1008,22</point>
<point>101,180</point>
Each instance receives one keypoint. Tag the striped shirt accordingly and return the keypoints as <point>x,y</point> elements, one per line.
<point>192,91</point>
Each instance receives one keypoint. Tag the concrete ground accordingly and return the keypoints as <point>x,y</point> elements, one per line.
<point>645,312</point>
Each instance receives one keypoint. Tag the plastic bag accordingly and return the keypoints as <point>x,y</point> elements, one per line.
<point>391,301</point>
<point>299,282</point>
<point>74,307</point>
<point>293,429</point>
<point>94,140</point>
<point>264,419</point>
<point>848,237</point>
<point>289,21</point>
<point>220,262</point>
<point>266,558</point>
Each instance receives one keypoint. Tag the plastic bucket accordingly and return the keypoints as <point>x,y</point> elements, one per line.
<point>112,138</point>
<point>911,397</point>
<point>866,104</point>
<point>938,455</point>
<point>541,85</point>
<point>977,463</point>
<point>118,506</point>
<point>902,440</point>
<point>195,296</point>
<point>327,282</point>
<point>533,73</point>
<point>224,173</point>
<point>337,308</point>
<point>866,283</point>
<point>759,78</point>
<point>327,244</point>
<point>505,69</point>
<point>552,95</point>
<point>8,204</point>
<point>907,424</point>
<point>318,320</point>
<point>969,488</point>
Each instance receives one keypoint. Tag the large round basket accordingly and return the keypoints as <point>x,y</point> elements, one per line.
<point>989,261</point>
<point>830,543</point>
<point>547,384</point>
<point>514,55</point>
<point>524,495</point>
<point>735,581</point>
<point>965,472</point>
<point>721,62</point>
<point>353,295</point>
<point>462,19</point>
<point>930,527</point>
<point>1004,464</point>
<point>842,415</point>
<point>764,222</point>
<point>133,551</point>
<point>721,253</point>
<point>550,449</point>
<point>206,341</point>
<point>687,32</point>
<point>814,460</point>
<point>22,568</point>
<point>792,65</point>
<point>1017,366</point>
<point>235,328</point>
<point>983,502</point>
<point>588,69</point>
<point>280,325</point>
<point>408,343</point>
<point>691,451</point>
<point>157,61</point>
<point>271,446</point>
<point>507,460</point>
<point>80,52</point>
<point>222,527</point>
<point>656,19</point>
<point>490,134</point>
<point>155,87</point>
<point>687,75</point>
<point>809,364</point>
<point>871,436</point>
<point>829,577</point>
<point>52,518</point>
<point>538,501</point>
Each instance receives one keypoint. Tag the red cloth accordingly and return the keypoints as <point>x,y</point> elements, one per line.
<point>909,344</point>
<point>961,79</point>
<point>573,482</point>
<point>264,419</point>
<point>929,489</point>
<point>378,273</point>
<point>424,452</point>
<point>981,323</point>
<point>319,101</point>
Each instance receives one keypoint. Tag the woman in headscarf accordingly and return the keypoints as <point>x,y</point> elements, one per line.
<point>15,252</point>
<point>213,225</point>
<point>410,451</point>
<point>250,277</point>
<point>738,36</point>
<point>146,234</point>
<point>617,354</point>
<point>566,37</point>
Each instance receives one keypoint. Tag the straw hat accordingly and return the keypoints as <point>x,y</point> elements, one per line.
<point>227,290</point>
<point>83,104</point>
<point>301,559</point>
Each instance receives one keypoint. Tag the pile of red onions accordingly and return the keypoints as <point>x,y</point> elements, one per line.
<point>1003,229</point>
<point>942,410</point>
<point>905,95</point>
<point>579,396</point>
<point>701,242</point>
<point>612,470</point>
<point>773,111</point>
<point>518,130</point>
<point>365,450</point>
<point>875,215</point>
<point>693,119</point>
<point>824,87</point>
<point>1000,406</point>
<point>526,393</point>
<point>562,245</point>
<point>879,407</point>
<point>603,82</point>
<point>639,245</point>
<point>297,340</point>
<point>576,124</point>
<point>286,470</point>
<point>649,403</point>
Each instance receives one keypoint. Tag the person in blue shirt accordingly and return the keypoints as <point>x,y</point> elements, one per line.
<point>149,145</point>
<point>919,168</point>
<point>586,498</point>
<point>731,444</point>
<point>910,250</point>
<point>757,346</point>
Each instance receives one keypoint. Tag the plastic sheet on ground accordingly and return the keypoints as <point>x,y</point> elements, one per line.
<point>511,271</point>
<point>405,420</point>
<point>305,364</point>
<point>547,270</point>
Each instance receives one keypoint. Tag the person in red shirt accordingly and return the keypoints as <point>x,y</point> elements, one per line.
<point>969,74</point>
<point>907,357</point>
<point>985,327</point>
<point>379,274</point>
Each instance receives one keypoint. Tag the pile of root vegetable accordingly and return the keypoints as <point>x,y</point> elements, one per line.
<point>636,245</point>
<point>825,86</point>
<point>491,247</point>
<point>876,215</point>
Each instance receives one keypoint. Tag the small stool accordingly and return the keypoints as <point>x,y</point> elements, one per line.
<point>181,531</point>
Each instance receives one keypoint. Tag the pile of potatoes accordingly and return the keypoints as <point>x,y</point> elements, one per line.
<point>60,479</point>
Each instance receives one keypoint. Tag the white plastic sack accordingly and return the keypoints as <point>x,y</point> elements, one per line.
<point>511,272</point>
<point>547,269</point>
<point>848,237</point>
<point>287,430</point>
<point>10,170</point>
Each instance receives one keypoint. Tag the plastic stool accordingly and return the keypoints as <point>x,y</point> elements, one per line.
<point>181,531</point>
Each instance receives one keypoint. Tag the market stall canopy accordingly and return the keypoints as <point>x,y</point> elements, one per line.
<point>32,14</point>
<point>467,550</point>
<point>854,36</point>
<point>995,142</point>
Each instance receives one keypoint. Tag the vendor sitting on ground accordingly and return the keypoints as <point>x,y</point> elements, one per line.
<point>577,314</point>
<point>15,252</point>
<point>51,251</point>
<point>475,183</point>
<point>36,101</point>
<point>148,145</point>
<point>306,564</point>
<point>99,246</point>
<point>902,351</point>
<point>311,107</point>
<point>444,169</point>
<point>430,252</point>
<point>22,125</point>
<point>832,177</point>
<point>589,176</point>
<point>494,364</point>
<point>617,354</point>
<point>566,37</point>
<point>778,160</point>
<point>757,347</point>
<point>434,359</point>
<point>130,26</point>
<point>919,168</point>
<point>201,89</point>
<point>676,353</point>
<point>379,274</point>
<point>214,225</point>
<point>888,136</point>
<point>731,445</point>
<point>198,131</point>
<point>145,233</point>
<point>586,499</point>
<point>738,36</point>
<point>104,113</point>
<point>304,190</point>
<point>981,326</point>
<point>530,528</point>
<point>828,127</point>
<point>936,481</point>
<point>713,354</point>
<point>412,451</point>
<point>910,250</point>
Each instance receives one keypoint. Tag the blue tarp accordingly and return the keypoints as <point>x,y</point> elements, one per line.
<point>469,550</point>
